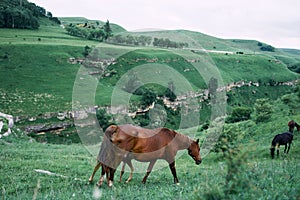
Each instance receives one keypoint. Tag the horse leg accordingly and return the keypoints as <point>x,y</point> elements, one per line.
<point>173,170</point>
<point>129,163</point>
<point>111,177</point>
<point>277,147</point>
<point>148,171</point>
<point>103,171</point>
<point>285,146</point>
<point>94,172</point>
<point>122,171</point>
<point>288,148</point>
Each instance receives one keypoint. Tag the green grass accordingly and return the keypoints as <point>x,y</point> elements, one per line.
<point>37,78</point>
<point>265,178</point>
<point>257,68</point>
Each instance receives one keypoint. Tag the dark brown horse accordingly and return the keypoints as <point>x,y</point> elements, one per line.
<point>147,145</point>
<point>284,139</point>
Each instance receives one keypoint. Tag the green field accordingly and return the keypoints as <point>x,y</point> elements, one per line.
<point>36,74</point>
<point>37,77</point>
<point>257,175</point>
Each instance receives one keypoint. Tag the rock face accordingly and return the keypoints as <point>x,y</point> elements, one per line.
<point>6,124</point>
<point>47,127</point>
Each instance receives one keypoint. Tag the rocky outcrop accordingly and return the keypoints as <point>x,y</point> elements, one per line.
<point>6,124</point>
<point>47,127</point>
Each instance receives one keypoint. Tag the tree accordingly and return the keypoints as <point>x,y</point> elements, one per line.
<point>148,98</point>
<point>49,14</point>
<point>107,30</point>
<point>170,91</point>
<point>87,51</point>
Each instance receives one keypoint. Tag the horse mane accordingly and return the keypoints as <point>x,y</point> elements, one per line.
<point>184,141</point>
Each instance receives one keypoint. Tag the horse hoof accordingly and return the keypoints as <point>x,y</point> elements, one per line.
<point>99,184</point>
<point>110,184</point>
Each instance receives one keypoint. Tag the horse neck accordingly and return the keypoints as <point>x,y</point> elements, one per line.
<point>298,126</point>
<point>183,141</point>
<point>292,126</point>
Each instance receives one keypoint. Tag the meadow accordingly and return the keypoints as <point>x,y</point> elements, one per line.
<point>37,78</point>
<point>256,175</point>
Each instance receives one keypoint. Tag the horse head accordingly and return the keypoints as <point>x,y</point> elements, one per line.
<point>194,151</point>
<point>272,149</point>
<point>292,125</point>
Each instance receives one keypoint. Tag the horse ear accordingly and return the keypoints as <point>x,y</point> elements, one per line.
<point>197,141</point>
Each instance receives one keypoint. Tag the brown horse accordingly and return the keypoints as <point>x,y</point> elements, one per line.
<point>147,145</point>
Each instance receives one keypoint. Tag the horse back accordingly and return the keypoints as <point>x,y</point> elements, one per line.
<point>282,139</point>
<point>138,139</point>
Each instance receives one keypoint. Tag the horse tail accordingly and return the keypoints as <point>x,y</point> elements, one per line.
<point>274,144</point>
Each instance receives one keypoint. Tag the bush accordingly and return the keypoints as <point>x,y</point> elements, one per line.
<point>263,110</point>
<point>239,114</point>
<point>104,119</point>
<point>267,48</point>
<point>228,139</point>
<point>295,68</point>
<point>292,101</point>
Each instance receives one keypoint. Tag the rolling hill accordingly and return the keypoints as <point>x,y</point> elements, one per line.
<point>47,69</point>
<point>46,73</point>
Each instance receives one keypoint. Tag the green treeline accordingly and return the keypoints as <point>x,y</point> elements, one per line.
<point>90,31</point>
<point>143,40</point>
<point>22,14</point>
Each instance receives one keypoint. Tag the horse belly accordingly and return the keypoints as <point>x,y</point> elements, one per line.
<point>148,156</point>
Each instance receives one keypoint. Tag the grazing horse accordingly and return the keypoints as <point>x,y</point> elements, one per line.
<point>147,145</point>
<point>284,139</point>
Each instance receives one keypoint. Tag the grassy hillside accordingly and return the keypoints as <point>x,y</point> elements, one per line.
<point>37,76</point>
<point>72,164</point>
<point>35,67</point>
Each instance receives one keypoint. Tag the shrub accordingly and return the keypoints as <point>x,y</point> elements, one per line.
<point>228,139</point>
<point>104,119</point>
<point>267,48</point>
<point>239,114</point>
<point>263,110</point>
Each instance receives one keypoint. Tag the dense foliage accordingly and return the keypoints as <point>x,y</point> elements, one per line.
<point>90,31</point>
<point>143,40</point>
<point>22,14</point>
<point>295,67</point>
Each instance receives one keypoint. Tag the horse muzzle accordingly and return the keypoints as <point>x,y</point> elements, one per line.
<point>198,162</point>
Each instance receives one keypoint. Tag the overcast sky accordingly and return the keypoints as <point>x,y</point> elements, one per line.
<point>276,22</point>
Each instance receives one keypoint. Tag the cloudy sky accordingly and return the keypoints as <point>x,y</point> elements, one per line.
<point>276,22</point>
